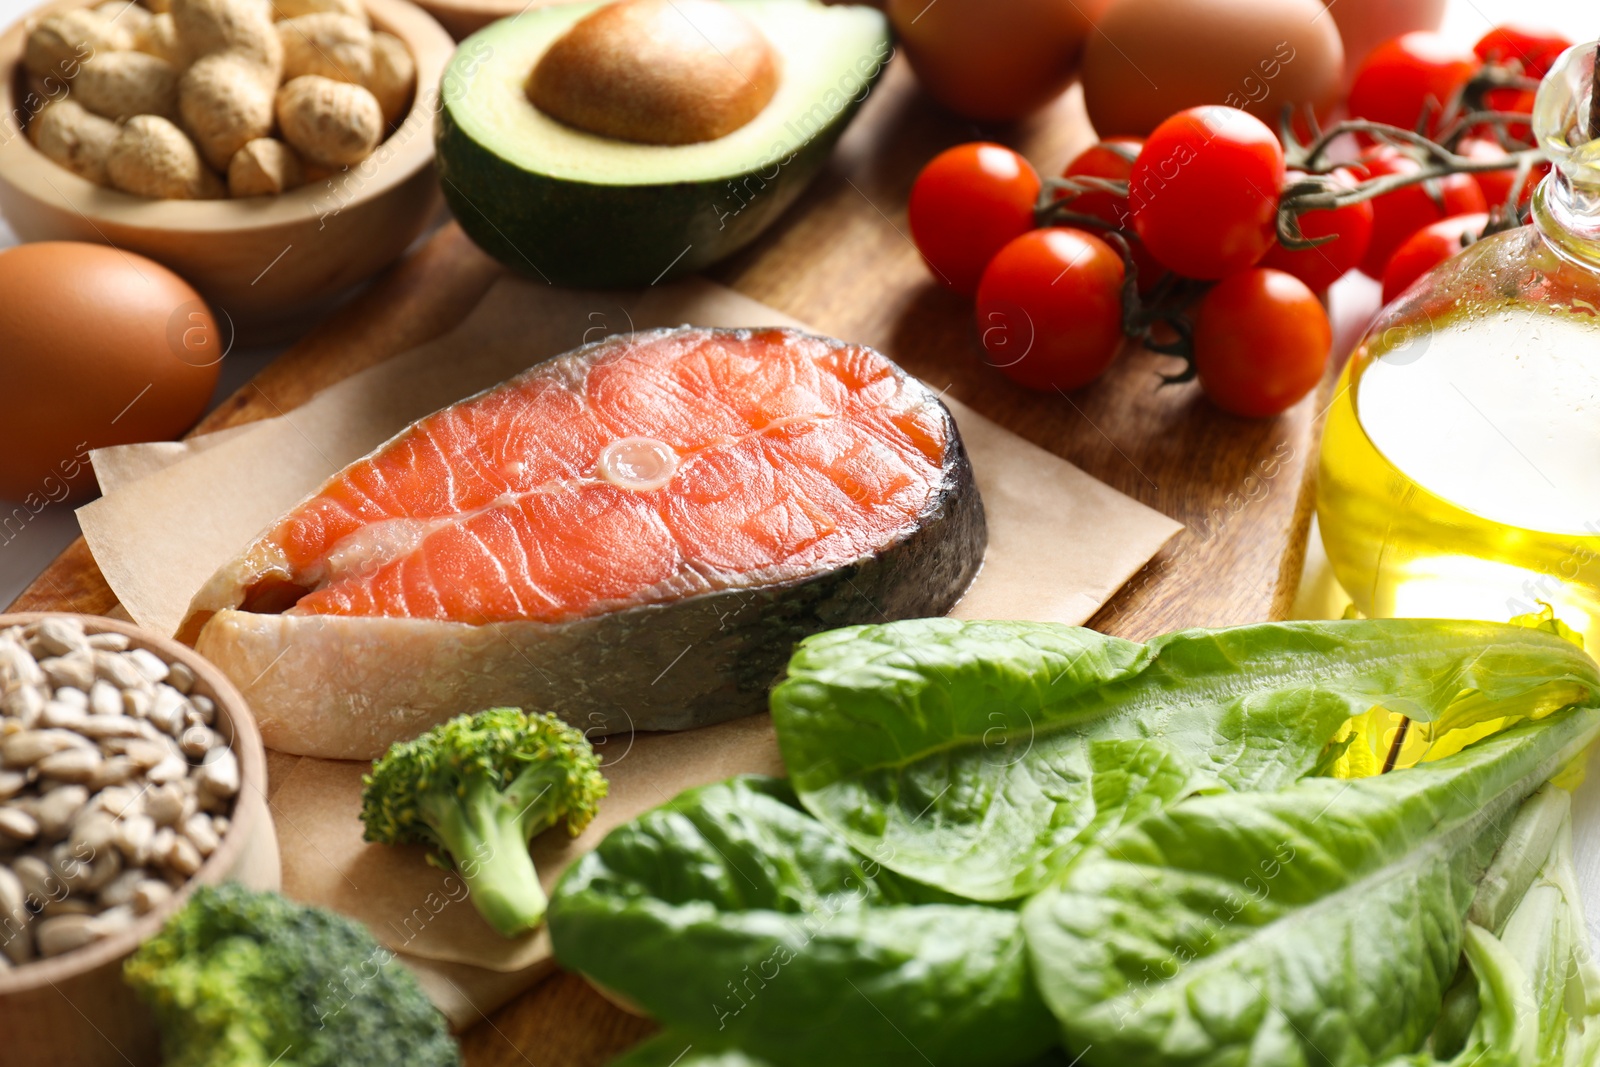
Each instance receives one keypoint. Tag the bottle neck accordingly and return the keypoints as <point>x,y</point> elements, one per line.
<point>1566,205</point>
<point>1567,216</point>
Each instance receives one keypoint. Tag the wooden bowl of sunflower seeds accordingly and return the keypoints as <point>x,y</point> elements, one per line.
<point>131,771</point>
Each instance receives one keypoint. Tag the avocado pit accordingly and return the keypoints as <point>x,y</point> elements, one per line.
<point>663,72</point>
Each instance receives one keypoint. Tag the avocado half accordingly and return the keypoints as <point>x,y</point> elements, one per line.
<point>576,209</point>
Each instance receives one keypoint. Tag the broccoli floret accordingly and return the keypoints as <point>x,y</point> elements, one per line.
<point>245,979</point>
<point>479,788</point>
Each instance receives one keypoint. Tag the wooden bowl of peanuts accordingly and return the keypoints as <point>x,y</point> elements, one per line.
<point>131,771</point>
<point>272,152</point>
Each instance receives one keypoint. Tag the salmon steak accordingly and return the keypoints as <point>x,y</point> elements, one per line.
<point>633,536</point>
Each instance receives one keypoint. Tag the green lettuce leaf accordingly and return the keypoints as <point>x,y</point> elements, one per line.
<point>982,757</point>
<point>737,919</point>
<point>1538,983</point>
<point>1317,926</point>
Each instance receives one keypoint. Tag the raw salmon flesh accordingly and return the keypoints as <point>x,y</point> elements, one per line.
<point>632,535</point>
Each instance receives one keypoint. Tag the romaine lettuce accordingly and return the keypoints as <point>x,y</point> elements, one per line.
<point>982,757</point>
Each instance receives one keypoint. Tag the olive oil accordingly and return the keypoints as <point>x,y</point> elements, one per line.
<point>1460,466</point>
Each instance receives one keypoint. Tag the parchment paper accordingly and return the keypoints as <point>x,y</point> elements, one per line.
<point>1060,543</point>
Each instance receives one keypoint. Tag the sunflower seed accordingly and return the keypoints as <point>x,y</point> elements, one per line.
<point>63,934</point>
<point>120,890</point>
<point>181,677</point>
<point>164,804</point>
<point>26,749</point>
<point>206,708</point>
<point>136,702</point>
<point>183,857</point>
<point>72,698</point>
<point>18,665</point>
<point>39,882</point>
<point>92,832</point>
<point>161,845</point>
<point>70,765</point>
<point>198,828</point>
<point>105,698</point>
<point>106,727</point>
<point>112,920</point>
<point>151,894</point>
<point>109,642</point>
<point>112,667</point>
<point>76,669</point>
<point>57,809</point>
<point>219,774</point>
<point>166,710</point>
<point>23,702</point>
<point>152,666</point>
<point>133,836</point>
<point>57,636</point>
<point>18,824</point>
<point>172,768</point>
<point>67,906</point>
<point>104,867</point>
<point>120,800</point>
<point>59,716</point>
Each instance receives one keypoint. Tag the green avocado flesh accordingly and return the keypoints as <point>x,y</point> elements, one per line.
<point>577,209</point>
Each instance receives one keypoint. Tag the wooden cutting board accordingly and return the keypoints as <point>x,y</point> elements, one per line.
<point>842,260</point>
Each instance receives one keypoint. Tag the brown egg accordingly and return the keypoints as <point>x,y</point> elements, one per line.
<point>989,61</point>
<point>97,347</point>
<point>658,72</point>
<point>1152,58</point>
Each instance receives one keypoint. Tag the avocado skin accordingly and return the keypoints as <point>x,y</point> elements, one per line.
<point>593,236</point>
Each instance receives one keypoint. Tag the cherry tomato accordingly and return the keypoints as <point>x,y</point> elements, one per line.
<point>1427,248</point>
<point>1515,101</point>
<point>1204,191</point>
<point>1320,267</point>
<point>1536,49</point>
<point>1050,308</point>
<point>1261,341</point>
<point>1407,75</point>
<point>1496,184</point>
<point>1398,215</point>
<point>966,205</point>
<point>1111,159</point>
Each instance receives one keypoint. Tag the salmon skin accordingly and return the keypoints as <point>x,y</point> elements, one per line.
<point>633,535</point>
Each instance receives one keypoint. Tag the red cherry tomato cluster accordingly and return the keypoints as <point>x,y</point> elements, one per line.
<point>1215,235</point>
<point>1196,202</point>
<point>1420,82</point>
